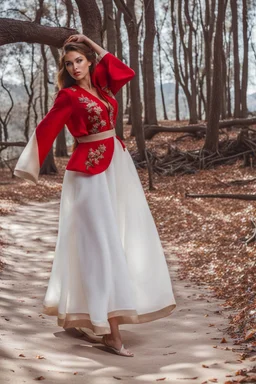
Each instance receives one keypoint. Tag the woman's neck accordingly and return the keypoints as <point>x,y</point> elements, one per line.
<point>85,83</point>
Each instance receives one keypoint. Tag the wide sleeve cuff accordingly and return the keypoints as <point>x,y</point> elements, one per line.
<point>28,166</point>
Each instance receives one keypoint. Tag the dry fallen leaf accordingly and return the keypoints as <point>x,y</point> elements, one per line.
<point>21,355</point>
<point>162,378</point>
<point>223,340</point>
<point>40,357</point>
<point>205,366</point>
<point>249,334</point>
<point>40,378</point>
<point>241,372</point>
<point>249,379</point>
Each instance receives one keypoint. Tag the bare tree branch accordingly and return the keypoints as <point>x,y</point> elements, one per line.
<point>14,31</point>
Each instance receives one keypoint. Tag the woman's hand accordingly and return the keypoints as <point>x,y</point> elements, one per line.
<point>79,38</point>
<point>84,39</point>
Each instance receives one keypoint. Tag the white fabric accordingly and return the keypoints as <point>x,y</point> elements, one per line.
<point>28,166</point>
<point>108,254</point>
<point>96,136</point>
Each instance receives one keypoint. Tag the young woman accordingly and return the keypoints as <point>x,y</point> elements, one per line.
<point>109,267</point>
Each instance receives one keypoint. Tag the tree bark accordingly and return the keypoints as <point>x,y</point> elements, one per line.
<point>61,145</point>
<point>110,25</point>
<point>48,165</point>
<point>212,133</point>
<point>233,5</point>
<point>208,27</point>
<point>245,61</point>
<point>91,19</point>
<point>161,74</point>
<point>136,111</point>
<point>148,65</point>
<point>29,88</point>
<point>16,31</point>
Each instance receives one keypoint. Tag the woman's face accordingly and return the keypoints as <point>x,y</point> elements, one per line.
<point>77,65</point>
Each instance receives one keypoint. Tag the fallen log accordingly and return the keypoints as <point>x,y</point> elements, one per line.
<point>221,196</point>
<point>152,130</point>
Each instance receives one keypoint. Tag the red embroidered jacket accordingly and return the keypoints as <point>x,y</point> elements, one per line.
<point>84,114</point>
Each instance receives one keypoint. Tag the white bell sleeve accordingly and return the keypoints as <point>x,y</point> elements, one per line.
<point>41,141</point>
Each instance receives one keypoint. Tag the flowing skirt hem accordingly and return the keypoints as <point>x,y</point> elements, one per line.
<point>82,320</point>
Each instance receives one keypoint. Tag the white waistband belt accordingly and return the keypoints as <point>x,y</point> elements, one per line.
<point>96,136</point>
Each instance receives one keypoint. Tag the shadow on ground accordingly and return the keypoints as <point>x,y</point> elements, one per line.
<point>174,348</point>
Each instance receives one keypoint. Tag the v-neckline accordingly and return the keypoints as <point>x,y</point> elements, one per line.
<point>97,98</point>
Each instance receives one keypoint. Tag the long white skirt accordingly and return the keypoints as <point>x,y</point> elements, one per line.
<point>109,261</point>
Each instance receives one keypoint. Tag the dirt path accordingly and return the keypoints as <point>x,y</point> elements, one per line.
<point>173,349</point>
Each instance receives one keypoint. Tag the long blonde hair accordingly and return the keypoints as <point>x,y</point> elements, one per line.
<point>64,80</point>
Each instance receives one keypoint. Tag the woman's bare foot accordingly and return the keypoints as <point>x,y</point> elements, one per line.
<point>115,344</point>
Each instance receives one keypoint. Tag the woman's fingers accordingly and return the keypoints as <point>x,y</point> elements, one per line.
<point>78,38</point>
<point>72,38</point>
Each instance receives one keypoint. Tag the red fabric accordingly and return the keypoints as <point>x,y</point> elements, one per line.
<point>85,114</point>
<point>122,143</point>
<point>112,73</point>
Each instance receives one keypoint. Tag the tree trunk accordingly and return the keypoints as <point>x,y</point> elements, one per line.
<point>136,110</point>
<point>161,74</point>
<point>245,61</point>
<point>191,47</point>
<point>237,94</point>
<point>110,26</point>
<point>175,59</point>
<point>61,145</point>
<point>229,76</point>
<point>224,86</point>
<point>91,19</point>
<point>148,65</point>
<point>208,35</point>
<point>48,166</point>
<point>177,103</point>
<point>212,133</point>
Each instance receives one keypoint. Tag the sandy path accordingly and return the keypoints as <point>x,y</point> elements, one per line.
<point>174,348</point>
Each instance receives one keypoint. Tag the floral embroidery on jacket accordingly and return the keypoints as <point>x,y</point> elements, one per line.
<point>111,116</point>
<point>95,155</point>
<point>72,89</point>
<point>94,110</point>
<point>108,91</point>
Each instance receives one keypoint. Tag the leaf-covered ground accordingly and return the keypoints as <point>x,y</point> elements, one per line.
<point>208,234</point>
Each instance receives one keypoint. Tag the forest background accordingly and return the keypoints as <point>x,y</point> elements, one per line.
<point>188,119</point>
